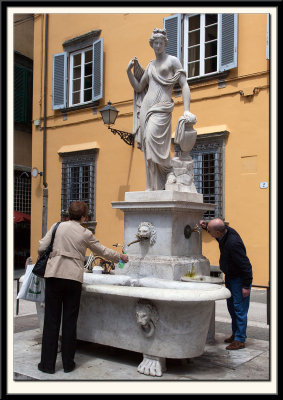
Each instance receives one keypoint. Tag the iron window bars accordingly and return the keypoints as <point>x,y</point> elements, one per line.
<point>208,175</point>
<point>79,181</point>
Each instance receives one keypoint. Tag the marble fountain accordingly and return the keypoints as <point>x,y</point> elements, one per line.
<point>147,306</point>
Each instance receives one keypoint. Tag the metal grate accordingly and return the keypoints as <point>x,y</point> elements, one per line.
<point>208,175</point>
<point>22,192</point>
<point>78,181</point>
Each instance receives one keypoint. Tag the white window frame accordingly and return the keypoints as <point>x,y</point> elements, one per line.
<point>202,45</point>
<point>82,78</point>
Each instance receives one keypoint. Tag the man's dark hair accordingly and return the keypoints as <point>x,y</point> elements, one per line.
<point>77,210</point>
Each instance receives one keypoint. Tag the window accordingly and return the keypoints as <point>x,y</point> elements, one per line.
<point>78,72</point>
<point>22,191</point>
<point>78,182</point>
<point>201,44</point>
<point>208,156</point>
<point>208,42</point>
<point>80,77</point>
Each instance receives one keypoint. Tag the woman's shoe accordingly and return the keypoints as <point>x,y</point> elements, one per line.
<point>70,369</point>
<point>46,370</point>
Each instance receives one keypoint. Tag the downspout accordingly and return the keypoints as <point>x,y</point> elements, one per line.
<point>45,189</point>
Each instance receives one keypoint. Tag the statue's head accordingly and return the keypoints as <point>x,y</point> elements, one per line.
<point>158,33</point>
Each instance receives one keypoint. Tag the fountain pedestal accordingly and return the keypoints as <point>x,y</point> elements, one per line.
<point>168,254</point>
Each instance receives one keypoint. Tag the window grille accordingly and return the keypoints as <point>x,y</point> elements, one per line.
<point>208,175</point>
<point>79,181</point>
<point>22,192</point>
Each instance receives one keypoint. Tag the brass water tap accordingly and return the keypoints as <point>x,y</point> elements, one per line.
<point>188,230</point>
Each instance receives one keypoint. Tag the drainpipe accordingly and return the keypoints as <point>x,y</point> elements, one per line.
<point>45,189</point>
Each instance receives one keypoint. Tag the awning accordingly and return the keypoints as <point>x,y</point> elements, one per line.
<point>21,217</point>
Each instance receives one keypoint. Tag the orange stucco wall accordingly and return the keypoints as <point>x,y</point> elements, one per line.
<point>120,168</point>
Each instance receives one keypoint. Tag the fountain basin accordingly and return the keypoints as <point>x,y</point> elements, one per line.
<point>177,314</point>
<point>159,318</point>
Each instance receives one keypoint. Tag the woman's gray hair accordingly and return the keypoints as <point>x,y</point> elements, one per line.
<point>158,33</point>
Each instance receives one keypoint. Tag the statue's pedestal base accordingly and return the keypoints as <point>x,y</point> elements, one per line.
<point>171,254</point>
<point>171,268</point>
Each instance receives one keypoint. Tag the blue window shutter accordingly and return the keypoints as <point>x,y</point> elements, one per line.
<point>172,25</point>
<point>228,24</point>
<point>97,65</point>
<point>267,37</point>
<point>59,82</point>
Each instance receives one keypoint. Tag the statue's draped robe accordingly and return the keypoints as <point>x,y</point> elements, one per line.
<point>153,126</point>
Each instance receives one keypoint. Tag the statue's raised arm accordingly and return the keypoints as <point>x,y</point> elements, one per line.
<point>138,80</point>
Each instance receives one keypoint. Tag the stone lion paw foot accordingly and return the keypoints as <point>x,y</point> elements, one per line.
<point>153,366</point>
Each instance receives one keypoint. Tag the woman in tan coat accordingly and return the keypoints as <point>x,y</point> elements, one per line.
<point>64,277</point>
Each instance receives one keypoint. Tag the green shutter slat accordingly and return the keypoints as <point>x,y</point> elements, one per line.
<point>59,82</point>
<point>19,94</point>
<point>22,94</point>
<point>29,93</point>
<point>97,65</point>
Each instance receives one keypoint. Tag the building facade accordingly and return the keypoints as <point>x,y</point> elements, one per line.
<point>80,63</point>
<point>23,92</point>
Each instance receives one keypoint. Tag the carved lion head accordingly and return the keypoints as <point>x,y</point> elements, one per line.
<point>147,231</point>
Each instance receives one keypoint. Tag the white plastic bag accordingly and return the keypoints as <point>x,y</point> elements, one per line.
<point>33,287</point>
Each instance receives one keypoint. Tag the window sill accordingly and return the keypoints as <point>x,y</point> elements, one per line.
<point>194,81</point>
<point>93,105</point>
<point>217,75</point>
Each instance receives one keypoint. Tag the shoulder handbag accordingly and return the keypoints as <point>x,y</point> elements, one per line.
<point>40,265</point>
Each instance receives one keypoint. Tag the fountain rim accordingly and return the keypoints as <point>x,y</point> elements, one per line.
<point>216,292</point>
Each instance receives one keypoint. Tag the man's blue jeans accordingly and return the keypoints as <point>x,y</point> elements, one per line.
<point>238,307</point>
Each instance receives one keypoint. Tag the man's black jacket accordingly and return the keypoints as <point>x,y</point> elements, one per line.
<point>233,258</point>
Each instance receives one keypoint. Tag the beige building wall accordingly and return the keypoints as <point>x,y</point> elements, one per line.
<point>22,148</point>
<point>23,34</point>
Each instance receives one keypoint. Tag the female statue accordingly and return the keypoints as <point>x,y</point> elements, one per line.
<point>153,106</point>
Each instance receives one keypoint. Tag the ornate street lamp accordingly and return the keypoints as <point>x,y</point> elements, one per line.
<point>109,114</point>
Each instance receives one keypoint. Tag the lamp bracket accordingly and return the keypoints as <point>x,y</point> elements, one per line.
<point>127,137</point>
